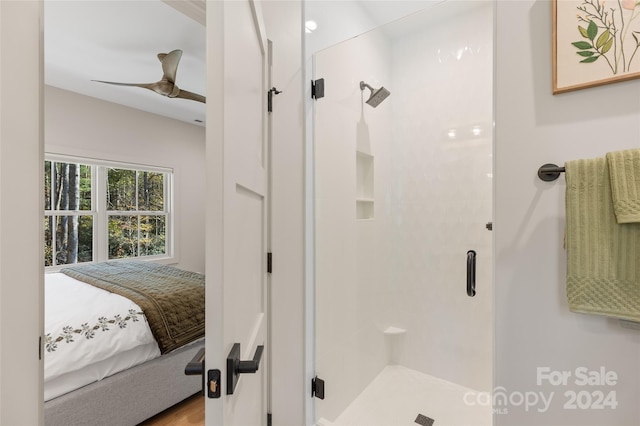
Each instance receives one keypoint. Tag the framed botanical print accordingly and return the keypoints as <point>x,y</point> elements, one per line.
<point>595,42</point>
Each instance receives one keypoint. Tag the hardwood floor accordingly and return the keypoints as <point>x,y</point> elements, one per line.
<point>189,412</point>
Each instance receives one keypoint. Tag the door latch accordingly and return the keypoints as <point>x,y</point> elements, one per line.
<point>195,367</point>
<point>213,390</point>
<point>270,93</point>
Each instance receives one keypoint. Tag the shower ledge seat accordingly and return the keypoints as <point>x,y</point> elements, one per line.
<point>390,331</point>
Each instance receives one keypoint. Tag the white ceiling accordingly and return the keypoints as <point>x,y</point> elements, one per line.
<point>116,40</point>
<point>119,41</point>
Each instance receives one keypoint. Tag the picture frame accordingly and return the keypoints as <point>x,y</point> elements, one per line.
<point>595,42</point>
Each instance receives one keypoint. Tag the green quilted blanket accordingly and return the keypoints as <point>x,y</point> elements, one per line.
<point>171,299</point>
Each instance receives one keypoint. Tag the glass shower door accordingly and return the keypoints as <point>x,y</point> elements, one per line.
<point>403,191</point>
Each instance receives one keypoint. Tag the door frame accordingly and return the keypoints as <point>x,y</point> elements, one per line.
<point>21,221</point>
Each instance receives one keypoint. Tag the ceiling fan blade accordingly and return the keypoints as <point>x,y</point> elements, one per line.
<point>170,63</point>
<point>192,96</point>
<point>161,87</point>
<point>145,85</point>
<point>166,86</point>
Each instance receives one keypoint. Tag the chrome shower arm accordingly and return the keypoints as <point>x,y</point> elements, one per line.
<point>363,85</point>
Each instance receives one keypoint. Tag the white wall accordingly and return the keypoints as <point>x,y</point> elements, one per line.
<point>88,127</point>
<point>533,325</point>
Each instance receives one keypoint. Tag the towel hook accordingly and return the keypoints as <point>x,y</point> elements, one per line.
<point>549,172</point>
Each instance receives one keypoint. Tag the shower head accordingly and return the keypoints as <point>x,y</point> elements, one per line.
<point>377,96</point>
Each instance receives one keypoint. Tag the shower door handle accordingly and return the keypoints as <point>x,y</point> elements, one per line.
<point>471,273</point>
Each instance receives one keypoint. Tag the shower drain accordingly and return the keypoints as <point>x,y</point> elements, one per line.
<point>424,420</point>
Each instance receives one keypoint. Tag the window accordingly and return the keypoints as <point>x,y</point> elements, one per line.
<point>69,217</point>
<point>96,211</point>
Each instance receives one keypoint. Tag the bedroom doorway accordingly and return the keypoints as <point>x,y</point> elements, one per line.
<point>153,144</point>
<point>291,219</point>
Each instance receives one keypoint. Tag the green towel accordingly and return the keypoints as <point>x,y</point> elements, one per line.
<point>603,265</point>
<point>624,169</point>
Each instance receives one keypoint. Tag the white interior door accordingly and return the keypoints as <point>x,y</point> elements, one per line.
<point>237,208</point>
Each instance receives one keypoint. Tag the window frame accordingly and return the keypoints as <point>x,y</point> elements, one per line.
<point>100,213</point>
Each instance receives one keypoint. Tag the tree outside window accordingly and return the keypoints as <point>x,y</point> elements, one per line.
<point>134,221</point>
<point>136,208</point>
<point>68,213</point>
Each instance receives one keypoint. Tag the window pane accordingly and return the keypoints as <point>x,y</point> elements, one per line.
<point>152,235</point>
<point>123,236</point>
<point>71,186</point>
<point>73,239</point>
<point>85,187</point>
<point>48,248</point>
<point>47,185</point>
<point>150,191</point>
<point>85,239</point>
<point>121,190</point>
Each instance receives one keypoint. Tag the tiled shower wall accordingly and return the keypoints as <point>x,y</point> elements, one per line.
<point>391,256</point>
<point>441,193</point>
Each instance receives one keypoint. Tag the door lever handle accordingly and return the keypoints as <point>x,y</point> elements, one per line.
<point>195,367</point>
<point>253,365</point>
<point>236,367</point>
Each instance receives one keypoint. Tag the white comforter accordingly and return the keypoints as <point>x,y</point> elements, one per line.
<point>87,326</point>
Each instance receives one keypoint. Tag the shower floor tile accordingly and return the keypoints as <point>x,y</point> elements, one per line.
<point>398,395</point>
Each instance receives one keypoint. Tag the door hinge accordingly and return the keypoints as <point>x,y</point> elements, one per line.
<point>317,88</point>
<point>270,93</point>
<point>269,419</point>
<point>317,387</point>
<point>270,262</point>
<point>489,226</point>
<point>40,348</point>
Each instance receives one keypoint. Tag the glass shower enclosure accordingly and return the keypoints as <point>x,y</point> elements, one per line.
<point>403,202</point>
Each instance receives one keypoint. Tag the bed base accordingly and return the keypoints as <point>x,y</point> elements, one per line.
<point>128,397</point>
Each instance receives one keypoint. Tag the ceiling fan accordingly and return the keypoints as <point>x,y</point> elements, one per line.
<point>167,86</point>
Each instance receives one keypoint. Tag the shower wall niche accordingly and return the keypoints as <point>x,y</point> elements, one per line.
<point>390,277</point>
<point>365,201</point>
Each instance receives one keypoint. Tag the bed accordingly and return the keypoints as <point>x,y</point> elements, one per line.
<point>118,336</point>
